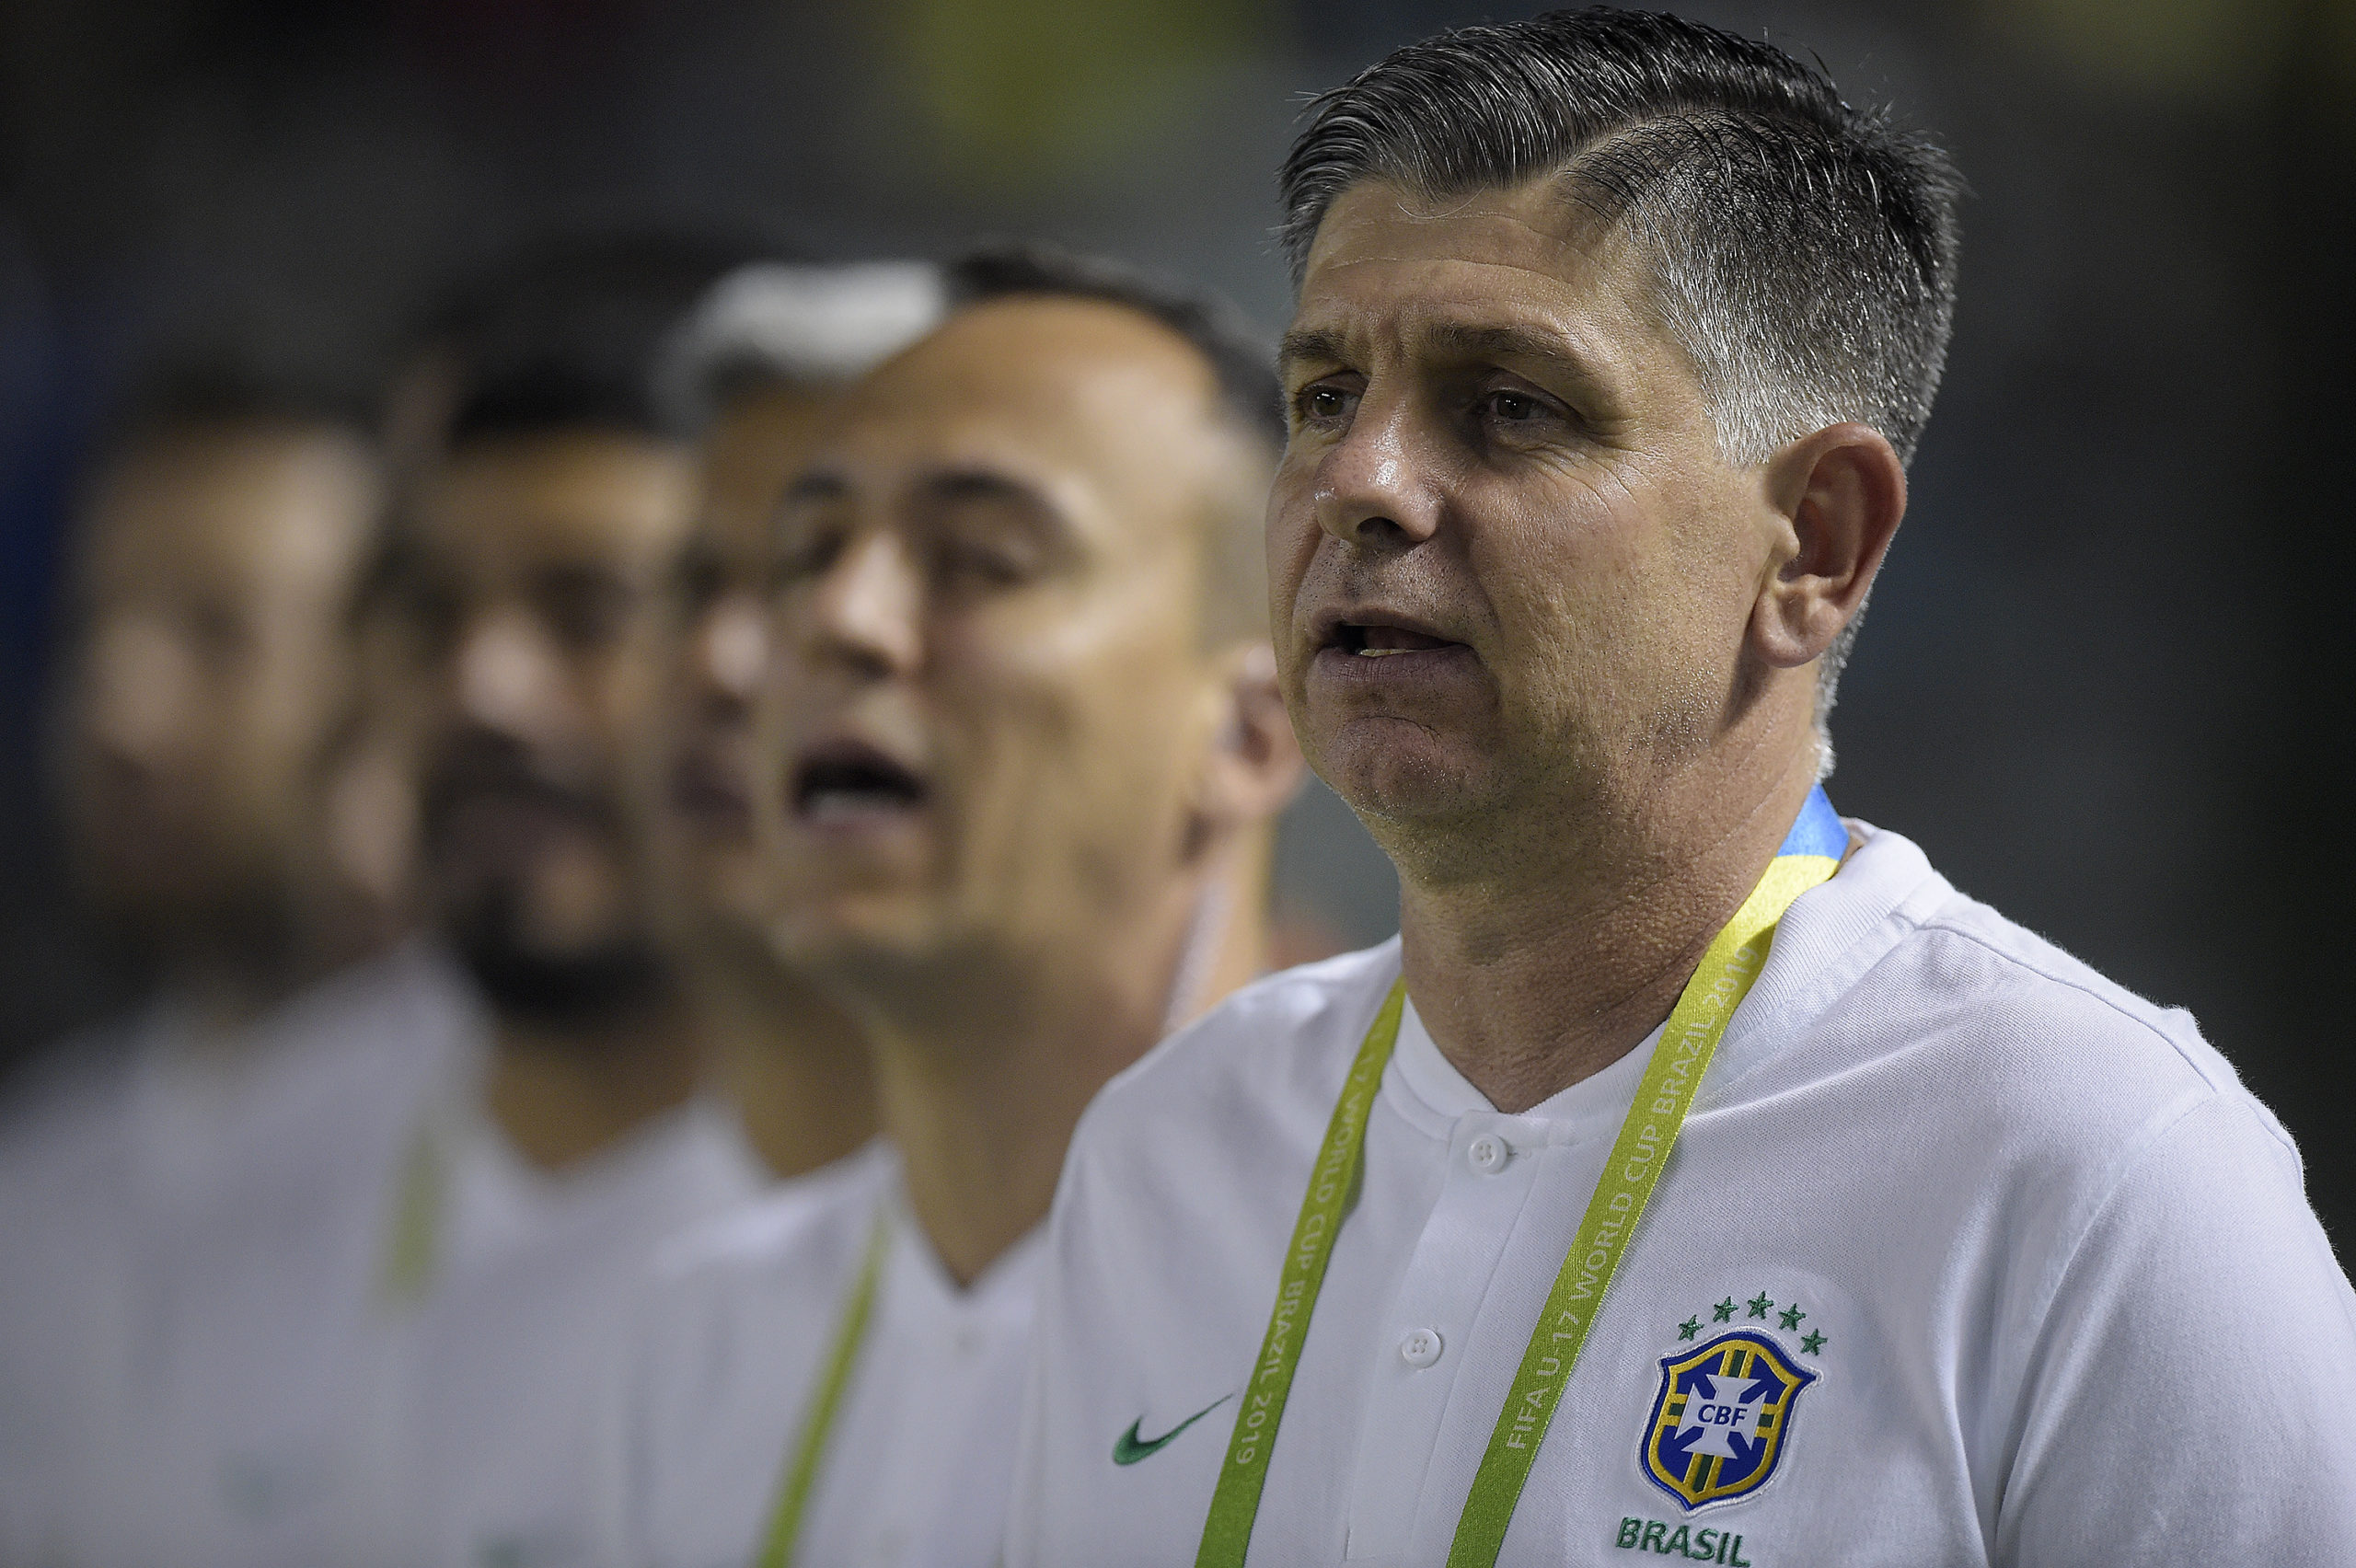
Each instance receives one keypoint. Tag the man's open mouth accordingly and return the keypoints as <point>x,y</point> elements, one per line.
<point>848,781</point>
<point>1378,639</point>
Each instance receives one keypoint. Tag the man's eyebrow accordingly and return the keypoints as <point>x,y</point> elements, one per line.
<point>1458,338</point>
<point>1310,343</point>
<point>1466,340</point>
<point>976,484</point>
<point>815,485</point>
<point>581,578</point>
<point>1032,508</point>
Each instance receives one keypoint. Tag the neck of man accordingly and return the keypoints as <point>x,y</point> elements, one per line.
<point>794,1065</point>
<point>981,1076</point>
<point>1553,962</point>
<point>561,1095</point>
<point>234,975</point>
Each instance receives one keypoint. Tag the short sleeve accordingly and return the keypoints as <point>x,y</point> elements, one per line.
<point>2191,1395</point>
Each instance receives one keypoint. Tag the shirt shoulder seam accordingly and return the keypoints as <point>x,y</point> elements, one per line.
<point>1943,924</point>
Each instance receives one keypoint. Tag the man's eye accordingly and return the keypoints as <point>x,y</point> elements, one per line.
<point>217,630</point>
<point>1513,406</point>
<point>970,561</point>
<point>803,558</point>
<point>433,610</point>
<point>700,582</point>
<point>585,615</point>
<point>1321,404</point>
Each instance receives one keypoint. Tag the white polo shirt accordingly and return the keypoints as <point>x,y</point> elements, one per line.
<point>500,1423</point>
<point>1966,1256</point>
<point>190,1247</point>
<point>736,1336</point>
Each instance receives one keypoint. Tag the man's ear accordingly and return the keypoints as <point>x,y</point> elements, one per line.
<point>1840,493</point>
<point>1254,767</point>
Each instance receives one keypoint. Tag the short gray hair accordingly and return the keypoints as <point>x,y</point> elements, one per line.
<point>1802,251</point>
<point>777,324</point>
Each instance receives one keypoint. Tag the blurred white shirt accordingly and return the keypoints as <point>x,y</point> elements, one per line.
<point>500,1419</point>
<point>190,1255</point>
<point>736,1333</point>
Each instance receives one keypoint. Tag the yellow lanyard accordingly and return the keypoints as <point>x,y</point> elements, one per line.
<point>412,1237</point>
<point>1811,854</point>
<point>826,1402</point>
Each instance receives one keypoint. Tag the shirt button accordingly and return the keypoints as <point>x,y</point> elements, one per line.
<point>1488,1154</point>
<point>1420,1348</point>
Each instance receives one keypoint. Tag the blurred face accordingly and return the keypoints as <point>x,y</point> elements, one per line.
<point>1507,564</point>
<point>991,701</point>
<point>715,882</point>
<point>209,662</point>
<point>543,560</point>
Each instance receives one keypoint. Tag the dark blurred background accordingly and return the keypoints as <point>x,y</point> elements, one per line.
<point>2104,678</point>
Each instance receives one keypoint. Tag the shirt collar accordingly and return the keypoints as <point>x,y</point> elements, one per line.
<point>1828,940</point>
<point>1002,1291</point>
<point>1434,1095</point>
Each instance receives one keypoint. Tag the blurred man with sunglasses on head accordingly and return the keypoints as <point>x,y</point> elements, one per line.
<point>1019,758</point>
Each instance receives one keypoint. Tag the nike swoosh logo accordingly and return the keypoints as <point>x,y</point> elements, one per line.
<point>1128,1449</point>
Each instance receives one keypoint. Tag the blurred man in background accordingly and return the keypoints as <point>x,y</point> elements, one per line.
<point>756,369</point>
<point>190,1212</point>
<point>540,535</point>
<point>1020,760</point>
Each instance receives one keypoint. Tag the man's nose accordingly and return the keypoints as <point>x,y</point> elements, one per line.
<point>867,610</point>
<point>1374,487</point>
<point>505,679</point>
<point>730,650</point>
<point>139,693</point>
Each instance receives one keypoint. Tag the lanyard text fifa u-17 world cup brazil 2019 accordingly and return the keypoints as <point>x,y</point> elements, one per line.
<point>1811,852</point>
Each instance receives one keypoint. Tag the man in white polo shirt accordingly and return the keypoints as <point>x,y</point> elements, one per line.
<point>1025,755</point>
<point>540,547</point>
<point>1614,333</point>
<point>757,369</point>
<point>193,1204</point>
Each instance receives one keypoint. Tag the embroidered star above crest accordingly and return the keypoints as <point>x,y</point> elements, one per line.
<point>1812,1342</point>
<point>1723,1310</point>
<point>1688,1329</point>
<point>1790,1316</point>
<point>1759,1303</point>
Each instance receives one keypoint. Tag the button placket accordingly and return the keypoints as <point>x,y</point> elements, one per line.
<point>1481,1194</point>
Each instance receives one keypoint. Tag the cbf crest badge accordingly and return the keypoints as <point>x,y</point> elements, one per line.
<point>1720,1421</point>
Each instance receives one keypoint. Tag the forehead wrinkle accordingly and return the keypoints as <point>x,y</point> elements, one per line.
<point>1538,226</point>
<point>1543,209</point>
<point>1058,453</point>
<point>1438,325</point>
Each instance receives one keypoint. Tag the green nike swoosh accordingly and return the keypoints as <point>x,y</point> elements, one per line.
<point>1128,1449</point>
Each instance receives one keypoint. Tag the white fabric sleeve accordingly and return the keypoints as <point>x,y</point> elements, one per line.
<point>2190,1395</point>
